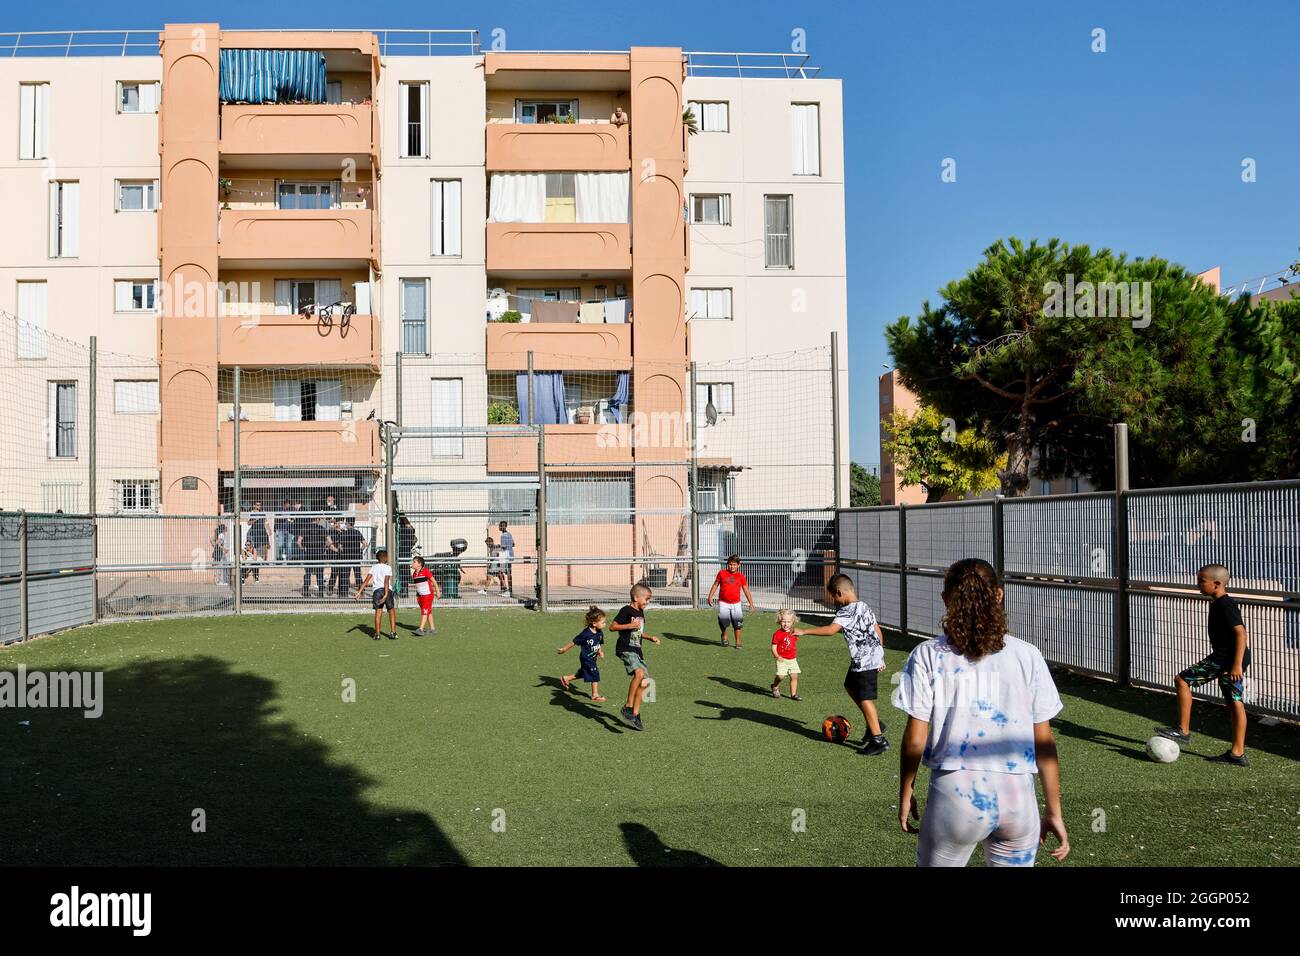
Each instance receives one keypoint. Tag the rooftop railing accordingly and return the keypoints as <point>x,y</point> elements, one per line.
<point>392,42</point>
<point>790,66</point>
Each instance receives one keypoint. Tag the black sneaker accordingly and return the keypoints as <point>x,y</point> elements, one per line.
<point>1230,757</point>
<point>867,737</point>
<point>875,747</point>
<point>636,722</point>
<point>629,718</point>
<point>1173,733</point>
<point>795,697</point>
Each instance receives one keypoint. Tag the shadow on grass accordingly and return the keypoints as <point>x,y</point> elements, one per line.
<point>179,736</point>
<point>367,629</point>
<point>577,705</point>
<point>763,717</point>
<point>1102,738</point>
<point>742,686</point>
<point>646,849</point>
<point>694,639</point>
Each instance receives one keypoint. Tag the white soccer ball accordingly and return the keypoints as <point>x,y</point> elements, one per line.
<point>1162,749</point>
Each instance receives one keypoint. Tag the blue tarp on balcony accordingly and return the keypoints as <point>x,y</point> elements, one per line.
<point>273,76</point>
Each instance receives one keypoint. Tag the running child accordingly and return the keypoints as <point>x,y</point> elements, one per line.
<point>784,645</point>
<point>380,579</point>
<point>426,592</point>
<point>979,702</point>
<point>732,584</point>
<point>1229,658</point>
<point>630,625</point>
<point>591,648</point>
<point>866,656</point>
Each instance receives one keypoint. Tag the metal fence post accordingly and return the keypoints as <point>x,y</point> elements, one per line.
<point>22,575</point>
<point>235,544</point>
<point>836,483</point>
<point>390,501</point>
<point>693,486</point>
<point>543,585</point>
<point>92,445</point>
<point>999,554</point>
<point>1122,660</point>
<point>397,384</point>
<point>902,570</point>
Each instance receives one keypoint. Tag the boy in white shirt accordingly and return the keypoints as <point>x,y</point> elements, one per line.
<point>380,579</point>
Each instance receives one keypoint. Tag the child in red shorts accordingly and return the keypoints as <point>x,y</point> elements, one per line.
<point>426,591</point>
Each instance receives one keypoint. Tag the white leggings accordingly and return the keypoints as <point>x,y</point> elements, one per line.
<point>966,807</point>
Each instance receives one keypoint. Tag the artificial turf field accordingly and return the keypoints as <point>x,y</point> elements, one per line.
<point>244,718</point>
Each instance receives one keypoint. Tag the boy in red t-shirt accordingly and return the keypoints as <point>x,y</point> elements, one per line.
<point>784,644</point>
<point>426,590</point>
<point>732,584</point>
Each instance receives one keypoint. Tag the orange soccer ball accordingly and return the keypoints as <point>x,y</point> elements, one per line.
<point>836,729</point>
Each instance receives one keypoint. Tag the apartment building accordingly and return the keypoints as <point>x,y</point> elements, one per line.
<point>207,206</point>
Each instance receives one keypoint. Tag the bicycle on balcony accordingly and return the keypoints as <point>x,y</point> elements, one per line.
<point>326,316</point>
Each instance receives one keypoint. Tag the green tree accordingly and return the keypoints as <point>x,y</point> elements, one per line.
<point>931,451</point>
<point>864,487</point>
<point>1038,371</point>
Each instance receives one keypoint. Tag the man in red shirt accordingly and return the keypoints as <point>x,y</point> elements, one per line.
<point>731,584</point>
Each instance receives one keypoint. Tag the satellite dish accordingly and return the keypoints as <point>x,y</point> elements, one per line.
<point>710,413</point>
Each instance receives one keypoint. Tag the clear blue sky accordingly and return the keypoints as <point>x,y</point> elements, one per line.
<point>1138,148</point>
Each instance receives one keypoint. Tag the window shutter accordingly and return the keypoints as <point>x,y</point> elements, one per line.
<point>361,297</point>
<point>71,219</point>
<point>403,119</point>
<point>32,319</point>
<point>724,209</point>
<point>699,303</point>
<point>122,295</point>
<point>52,421</point>
<point>55,225</point>
<point>719,303</point>
<point>42,120</point>
<point>424,119</point>
<point>286,395</point>
<point>27,93</point>
<point>329,399</point>
<point>283,297</point>
<point>148,97</point>
<point>436,245</point>
<point>451,217</point>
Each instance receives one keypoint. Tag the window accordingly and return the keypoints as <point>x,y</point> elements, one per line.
<point>135,496</point>
<point>546,111</point>
<point>308,400</point>
<point>444,217</point>
<point>134,295</point>
<point>711,117</point>
<point>600,500</point>
<point>415,316</point>
<point>805,148</point>
<point>137,195</point>
<point>777,247</point>
<point>34,120</point>
<point>308,195</point>
<point>294,296</point>
<point>334,92</point>
<point>413,106</point>
<point>561,198</point>
<point>135,397</point>
<point>62,419</point>
<point>137,97</point>
<point>717,492</point>
<point>448,412</point>
<point>550,295</point>
<point>709,304</point>
<point>65,219</point>
<point>721,395</point>
<point>711,209</point>
<point>32,319</point>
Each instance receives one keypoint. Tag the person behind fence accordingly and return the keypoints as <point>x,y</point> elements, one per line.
<point>630,625</point>
<point>979,702</point>
<point>426,592</point>
<point>257,535</point>
<point>311,543</point>
<point>283,532</point>
<point>380,581</point>
<point>590,643</point>
<point>219,552</point>
<point>866,644</point>
<point>337,580</point>
<point>1226,664</point>
<point>250,562</point>
<point>494,563</point>
<point>784,648</point>
<point>507,558</point>
<point>731,584</point>
<point>352,545</point>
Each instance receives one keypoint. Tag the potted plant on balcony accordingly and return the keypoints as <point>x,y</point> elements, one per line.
<point>502,413</point>
<point>562,119</point>
<point>225,185</point>
<point>584,415</point>
<point>511,316</point>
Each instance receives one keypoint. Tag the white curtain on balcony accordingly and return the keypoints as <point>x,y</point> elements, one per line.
<point>518,197</point>
<point>602,197</point>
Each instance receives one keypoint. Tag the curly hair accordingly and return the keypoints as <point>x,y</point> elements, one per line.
<point>594,614</point>
<point>975,622</point>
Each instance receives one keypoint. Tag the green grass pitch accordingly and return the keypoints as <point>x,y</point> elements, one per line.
<point>462,748</point>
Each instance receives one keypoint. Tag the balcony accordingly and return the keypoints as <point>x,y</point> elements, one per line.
<point>317,444</point>
<point>308,238</point>
<point>310,133</point>
<point>588,444</point>
<point>254,341</point>
<point>555,147</point>
<point>578,347</point>
<point>565,246</point>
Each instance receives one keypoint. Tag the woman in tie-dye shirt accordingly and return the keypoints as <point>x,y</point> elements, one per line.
<point>978,702</point>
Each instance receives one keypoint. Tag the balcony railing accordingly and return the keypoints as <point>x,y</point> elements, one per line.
<point>297,194</point>
<point>790,66</point>
<point>392,42</point>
